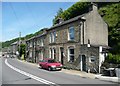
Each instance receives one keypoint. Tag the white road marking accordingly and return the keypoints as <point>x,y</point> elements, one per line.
<point>29,75</point>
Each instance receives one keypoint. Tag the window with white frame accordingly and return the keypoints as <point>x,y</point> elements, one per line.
<point>52,37</point>
<point>41,42</point>
<point>30,53</point>
<point>92,59</point>
<point>54,53</point>
<point>34,43</point>
<point>31,44</point>
<point>71,33</point>
<point>71,54</point>
<point>50,53</point>
<point>41,55</point>
<point>37,42</point>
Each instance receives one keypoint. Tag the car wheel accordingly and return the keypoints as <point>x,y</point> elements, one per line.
<point>60,69</point>
<point>49,68</point>
<point>40,66</point>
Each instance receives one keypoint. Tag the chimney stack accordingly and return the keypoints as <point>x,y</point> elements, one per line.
<point>60,20</point>
<point>94,6</point>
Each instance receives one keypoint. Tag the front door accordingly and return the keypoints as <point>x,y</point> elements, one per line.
<point>62,57</point>
<point>83,62</point>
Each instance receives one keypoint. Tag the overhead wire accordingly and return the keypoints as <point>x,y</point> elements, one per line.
<point>11,6</point>
<point>36,24</point>
<point>41,19</point>
<point>31,14</point>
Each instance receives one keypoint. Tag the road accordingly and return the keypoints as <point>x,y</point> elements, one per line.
<point>16,72</point>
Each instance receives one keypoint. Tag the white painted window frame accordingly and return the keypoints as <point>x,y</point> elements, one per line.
<point>92,57</point>
<point>70,33</point>
<point>41,42</point>
<point>68,49</point>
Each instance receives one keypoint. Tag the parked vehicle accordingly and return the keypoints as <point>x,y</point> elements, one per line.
<point>13,56</point>
<point>50,64</point>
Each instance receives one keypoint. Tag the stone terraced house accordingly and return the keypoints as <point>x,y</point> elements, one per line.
<point>78,43</point>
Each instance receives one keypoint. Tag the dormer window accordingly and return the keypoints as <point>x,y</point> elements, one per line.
<point>71,33</point>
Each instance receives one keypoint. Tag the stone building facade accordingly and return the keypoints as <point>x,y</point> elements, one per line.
<point>36,47</point>
<point>30,49</point>
<point>79,43</point>
<point>14,47</point>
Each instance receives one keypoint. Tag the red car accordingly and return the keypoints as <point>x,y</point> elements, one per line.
<point>50,64</point>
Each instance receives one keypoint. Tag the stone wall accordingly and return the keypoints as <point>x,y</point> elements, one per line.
<point>92,51</point>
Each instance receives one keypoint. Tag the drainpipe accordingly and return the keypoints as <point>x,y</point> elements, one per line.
<point>83,28</point>
<point>88,46</point>
<point>81,32</point>
<point>82,20</point>
<point>100,59</point>
<point>80,56</point>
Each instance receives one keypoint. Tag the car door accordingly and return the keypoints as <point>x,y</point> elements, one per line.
<point>42,63</point>
<point>45,64</point>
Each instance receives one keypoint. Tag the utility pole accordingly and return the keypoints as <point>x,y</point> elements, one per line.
<point>19,42</point>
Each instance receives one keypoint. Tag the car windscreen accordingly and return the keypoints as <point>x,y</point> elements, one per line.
<point>51,61</point>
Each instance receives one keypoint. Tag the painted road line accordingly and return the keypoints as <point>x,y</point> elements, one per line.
<point>29,75</point>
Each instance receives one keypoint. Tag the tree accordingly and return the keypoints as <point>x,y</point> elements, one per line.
<point>22,49</point>
<point>111,15</point>
<point>75,10</point>
<point>59,13</point>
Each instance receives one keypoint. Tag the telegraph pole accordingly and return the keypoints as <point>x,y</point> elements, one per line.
<point>19,42</point>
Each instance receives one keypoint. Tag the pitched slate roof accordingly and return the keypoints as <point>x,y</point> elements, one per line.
<point>58,25</point>
<point>14,43</point>
<point>68,21</point>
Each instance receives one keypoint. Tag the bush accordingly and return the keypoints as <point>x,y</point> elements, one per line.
<point>115,59</point>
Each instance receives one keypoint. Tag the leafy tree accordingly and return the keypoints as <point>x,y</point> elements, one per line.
<point>75,10</point>
<point>22,49</point>
<point>59,13</point>
<point>115,59</point>
<point>111,15</point>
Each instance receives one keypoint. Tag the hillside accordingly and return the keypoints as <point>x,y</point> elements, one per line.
<point>7,43</point>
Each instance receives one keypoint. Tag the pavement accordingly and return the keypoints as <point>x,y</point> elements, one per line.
<point>92,76</point>
<point>107,78</point>
<point>84,74</point>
